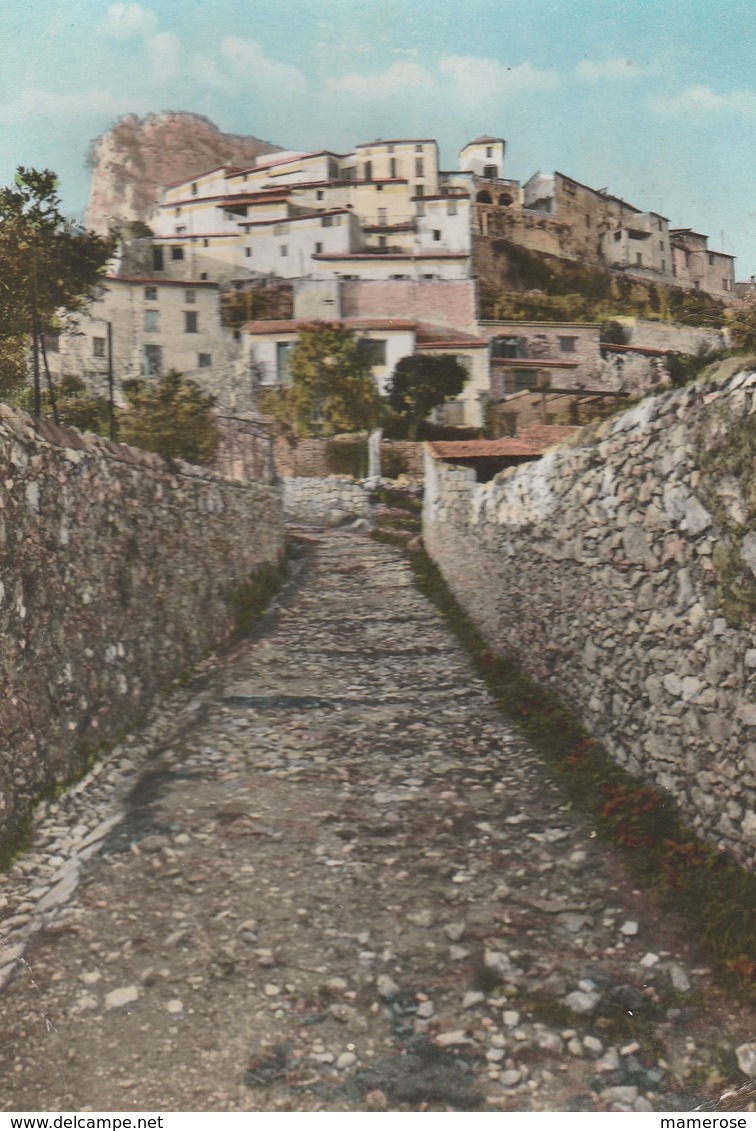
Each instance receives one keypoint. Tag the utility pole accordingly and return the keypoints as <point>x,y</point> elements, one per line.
<point>111,408</point>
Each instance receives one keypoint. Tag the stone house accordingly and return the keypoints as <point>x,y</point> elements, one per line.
<point>268,344</point>
<point>562,356</point>
<point>147,326</point>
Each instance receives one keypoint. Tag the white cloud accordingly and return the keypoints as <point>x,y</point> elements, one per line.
<point>476,78</point>
<point>246,59</point>
<point>46,104</point>
<point>402,79</point>
<point>702,99</point>
<point>607,70</point>
<point>129,21</point>
<point>164,51</point>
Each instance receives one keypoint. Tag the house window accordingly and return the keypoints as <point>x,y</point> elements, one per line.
<point>383,216</point>
<point>319,194</point>
<point>51,342</point>
<point>368,170</point>
<point>280,229</point>
<point>326,221</point>
<point>98,347</point>
<point>283,357</point>
<point>436,233</point>
<point>318,248</point>
<point>284,250</point>
<point>451,208</point>
<point>420,208</point>
<point>190,296</point>
<point>247,252</point>
<point>152,361</point>
<point>711,260</point>
<point>399,276</point>
<point>429,276</point>
<point>191,322</point>
<point>151,293</point>
<point>567,345</point>
<point>177,212</point>
<point>489,151</point>
<point>638,259</point>
<point>206,243</point>
<point>419,148</point>
<point>587,220</point>
<point>489,172</point>
<point>372,351</point>
<point>419,190</point>
<point>203,275</point>
<point>177,253</point>
<point>525,379</point>
<point>194,188</point>
<point>382,243</point>
<point>661,245</point>
<point>509,347</point>
<point>453,414</point>
<point>392,168</point>
<point>157,259</point>
<point>419,167</point>
<point>618,235</point>
<point>664,265</point>
<point>152,319</point>
<point>204,360</point>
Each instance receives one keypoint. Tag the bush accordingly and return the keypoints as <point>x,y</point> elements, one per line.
<point>348,457</point>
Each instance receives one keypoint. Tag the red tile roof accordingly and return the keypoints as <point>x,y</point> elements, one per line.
<point>444,337</point>
<point>531,442</point>
<point>533,363</point>
<point>294,325</point>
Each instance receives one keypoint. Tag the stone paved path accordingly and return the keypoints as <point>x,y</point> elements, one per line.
<point>328,875</point>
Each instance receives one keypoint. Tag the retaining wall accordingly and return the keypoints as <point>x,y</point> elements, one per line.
<point>117,572</point>
<point>620,571</point>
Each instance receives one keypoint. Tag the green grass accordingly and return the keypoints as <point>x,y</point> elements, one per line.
<point>677,870</point>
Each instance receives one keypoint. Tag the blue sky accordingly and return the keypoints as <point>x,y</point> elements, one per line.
<point>653,99</point>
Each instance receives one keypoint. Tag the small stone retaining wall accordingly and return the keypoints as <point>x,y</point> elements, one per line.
<point>620,571</point>
<point>117,573</point>
<point>328,500</point>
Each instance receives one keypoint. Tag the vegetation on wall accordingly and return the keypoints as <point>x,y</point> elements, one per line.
<point>726,458</point>
<point>536,286</point>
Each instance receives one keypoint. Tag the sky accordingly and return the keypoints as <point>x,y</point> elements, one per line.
<point>654,100</point>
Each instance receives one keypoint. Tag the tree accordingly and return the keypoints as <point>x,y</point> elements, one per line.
<point>170,416</point>
<point>47,265</point>
<point>422,382</point>
<point>331,390</point>
<point>74,404</point>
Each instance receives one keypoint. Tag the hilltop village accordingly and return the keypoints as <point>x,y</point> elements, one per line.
<point>414,259</point>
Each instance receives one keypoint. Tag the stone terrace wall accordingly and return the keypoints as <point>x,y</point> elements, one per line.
<point>605,569</point>
<point>117,572</point>
<point>328,500</point>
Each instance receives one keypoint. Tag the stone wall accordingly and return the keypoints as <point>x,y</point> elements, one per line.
<point>328,500</point>
<point>621,571</point>
<point>309,458</point>
<point>117,572</point>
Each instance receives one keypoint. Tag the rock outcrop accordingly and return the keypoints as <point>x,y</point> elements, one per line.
<point>136,156</point>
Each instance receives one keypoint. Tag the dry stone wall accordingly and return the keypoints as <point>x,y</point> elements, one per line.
<point>621,571</point>
<point>117,572</point>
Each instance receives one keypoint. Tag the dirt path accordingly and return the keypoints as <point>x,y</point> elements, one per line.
<point>332,877</point>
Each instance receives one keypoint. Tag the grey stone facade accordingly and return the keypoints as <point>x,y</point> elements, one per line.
<point>117,572</point>
<point>603,568</point>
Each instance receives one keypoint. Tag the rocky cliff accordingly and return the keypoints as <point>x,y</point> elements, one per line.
<point>132,159</point>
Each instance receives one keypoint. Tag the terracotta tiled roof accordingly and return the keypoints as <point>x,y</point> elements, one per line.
<point>157,281</point>
<point>294,325</point>
<point>531,441</point>
<point>444,337</point>
<point>533,363</point>
<point>477,449</point>
<point>649,351</point>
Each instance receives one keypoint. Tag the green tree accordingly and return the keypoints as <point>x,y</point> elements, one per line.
<point>75,406</point>
<point>170,416</point>
<point>47,265</point>
<point>331,387</point>
<point>422,382</point>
